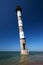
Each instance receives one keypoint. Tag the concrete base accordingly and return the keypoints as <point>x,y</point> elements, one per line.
<point>24,52</point>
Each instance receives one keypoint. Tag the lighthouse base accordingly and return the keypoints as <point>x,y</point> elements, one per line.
<point>24,52</point>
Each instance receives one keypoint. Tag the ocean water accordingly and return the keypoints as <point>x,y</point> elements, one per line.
<point>14,58</point>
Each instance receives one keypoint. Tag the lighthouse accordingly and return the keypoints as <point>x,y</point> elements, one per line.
<point>21,31</point>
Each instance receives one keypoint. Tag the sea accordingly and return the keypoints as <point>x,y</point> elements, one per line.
<point>15,58</point>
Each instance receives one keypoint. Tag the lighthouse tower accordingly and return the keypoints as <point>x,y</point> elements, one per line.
<point>21,31</point>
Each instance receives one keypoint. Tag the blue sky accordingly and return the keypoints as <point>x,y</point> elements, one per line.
<point>32,16</point>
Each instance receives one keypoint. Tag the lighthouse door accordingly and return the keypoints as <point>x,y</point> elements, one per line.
<point>24,46</point>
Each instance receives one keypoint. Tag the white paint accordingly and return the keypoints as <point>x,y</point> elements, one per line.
<point>20,23</point>
<point>18,13</point>
<point>21,34</point>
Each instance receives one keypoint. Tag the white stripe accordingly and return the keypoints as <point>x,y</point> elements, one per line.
<point>18,13</point>
<point>20,23</point>
<point>21,34</point>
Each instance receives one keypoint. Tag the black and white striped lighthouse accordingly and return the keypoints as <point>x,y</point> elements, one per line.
<point>21,31</point>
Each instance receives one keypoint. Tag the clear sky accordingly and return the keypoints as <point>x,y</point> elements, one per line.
<point>32,16</point>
